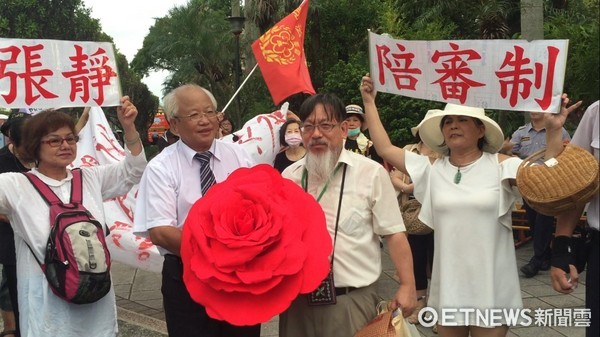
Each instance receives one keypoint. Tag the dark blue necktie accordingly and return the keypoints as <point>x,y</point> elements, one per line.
<point>207,178</point>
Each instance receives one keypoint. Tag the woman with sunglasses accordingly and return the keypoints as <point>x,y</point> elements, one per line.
<point>49,140</point>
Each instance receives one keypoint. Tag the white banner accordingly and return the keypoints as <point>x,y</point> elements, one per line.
<point>98,146</point>
<point>55,74</point>
<point>492,74</point>
<point>260,136</point>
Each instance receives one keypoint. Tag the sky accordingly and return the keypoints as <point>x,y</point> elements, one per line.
<point>128,22</point>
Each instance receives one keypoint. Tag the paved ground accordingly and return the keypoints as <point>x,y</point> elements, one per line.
<point>139,298</point>
<point>140,302</point>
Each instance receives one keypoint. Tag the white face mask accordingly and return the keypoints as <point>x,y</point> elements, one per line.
<point>353,132</point>
<point>293,139</point>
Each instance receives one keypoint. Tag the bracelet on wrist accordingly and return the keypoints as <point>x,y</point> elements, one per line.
<point>131,142</point>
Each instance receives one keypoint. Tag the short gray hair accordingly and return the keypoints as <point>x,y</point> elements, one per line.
<point>170,103</point>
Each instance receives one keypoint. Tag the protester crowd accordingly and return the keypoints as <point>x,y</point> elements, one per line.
<point>461,170</point>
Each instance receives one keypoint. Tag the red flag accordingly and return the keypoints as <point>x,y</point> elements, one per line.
<point>280,55</point>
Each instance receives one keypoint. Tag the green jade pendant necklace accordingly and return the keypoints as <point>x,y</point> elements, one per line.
<point>458,175</point>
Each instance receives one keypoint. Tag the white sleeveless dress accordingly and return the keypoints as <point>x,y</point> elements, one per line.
<point>474,263</point>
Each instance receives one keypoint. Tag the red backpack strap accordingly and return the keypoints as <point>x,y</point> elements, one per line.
<point>76,187</point>
<point>49,195</point>
<point>44,190</point>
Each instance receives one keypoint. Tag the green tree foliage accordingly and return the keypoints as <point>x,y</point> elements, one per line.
<point>459,19</point>
<point>49,19</point>
<point>582,79</point>
<point>145,102</point>
<point>397,113</point>
<point>195,44</point>
<point>195,37</point>
<point>337,29</point>
<point>264,13</point>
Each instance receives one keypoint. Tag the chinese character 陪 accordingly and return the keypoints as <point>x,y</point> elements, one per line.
<point>400,66</point>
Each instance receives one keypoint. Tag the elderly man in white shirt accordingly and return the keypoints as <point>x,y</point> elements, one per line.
<point>173,181</point>
<point>360,205</point>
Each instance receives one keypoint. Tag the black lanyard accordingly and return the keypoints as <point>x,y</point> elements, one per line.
<point>337,218</point>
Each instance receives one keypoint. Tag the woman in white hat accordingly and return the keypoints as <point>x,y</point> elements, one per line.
<point>467,199</point>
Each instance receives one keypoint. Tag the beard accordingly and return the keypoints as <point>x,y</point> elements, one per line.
<point>320,166</point>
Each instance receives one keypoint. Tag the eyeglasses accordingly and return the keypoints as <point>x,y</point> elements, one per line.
<point>323,127</point>
<point>195,116</point>
<point>57,141</point>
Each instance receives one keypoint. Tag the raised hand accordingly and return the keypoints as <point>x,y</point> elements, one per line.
<point>556,121</point>
<point>367,89</point>
<point>127,113</point>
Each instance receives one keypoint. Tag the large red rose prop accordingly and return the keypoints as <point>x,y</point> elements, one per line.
<point>252,244</point>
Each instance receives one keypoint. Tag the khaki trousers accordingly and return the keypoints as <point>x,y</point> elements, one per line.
<point>351,312</point>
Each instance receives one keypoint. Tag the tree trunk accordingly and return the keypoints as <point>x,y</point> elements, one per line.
<point>532,25</point>
<point>532,19</point>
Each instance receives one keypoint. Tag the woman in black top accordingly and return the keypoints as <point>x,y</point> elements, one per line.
<point>289,135</point>
<point>9,162</point>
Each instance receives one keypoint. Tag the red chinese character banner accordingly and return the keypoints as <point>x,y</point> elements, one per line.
<point>55,74</point>
<point>492,74</point>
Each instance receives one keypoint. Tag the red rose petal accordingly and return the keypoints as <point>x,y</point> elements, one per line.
<point>252,244</point>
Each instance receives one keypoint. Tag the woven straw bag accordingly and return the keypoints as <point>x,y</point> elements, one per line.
<point>388,324</point>
<point>380,326</point>
<point>560,183</point>
<point>410,208</point>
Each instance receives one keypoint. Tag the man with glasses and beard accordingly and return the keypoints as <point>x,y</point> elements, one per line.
<point>360,205</point>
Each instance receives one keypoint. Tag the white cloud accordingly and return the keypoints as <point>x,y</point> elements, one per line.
<point>128,22</point>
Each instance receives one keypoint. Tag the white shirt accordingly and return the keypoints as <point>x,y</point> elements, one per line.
<point>369,209</point>
<point>41,312</point>
<point>587,136</point>
<point>171,184</point>
<point>474,262</point>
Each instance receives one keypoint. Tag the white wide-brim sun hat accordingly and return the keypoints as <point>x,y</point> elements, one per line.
<point>431,133</point>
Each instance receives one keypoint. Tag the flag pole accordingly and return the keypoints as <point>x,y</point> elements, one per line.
<point>240,88</point>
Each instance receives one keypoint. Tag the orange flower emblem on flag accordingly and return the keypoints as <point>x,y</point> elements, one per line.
<point>280,55</point>
<point>280,45</point>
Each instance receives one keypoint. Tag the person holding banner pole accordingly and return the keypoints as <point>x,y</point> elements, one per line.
<point>49,140</point>
<point>83,119</point>
<point>467,199</point>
